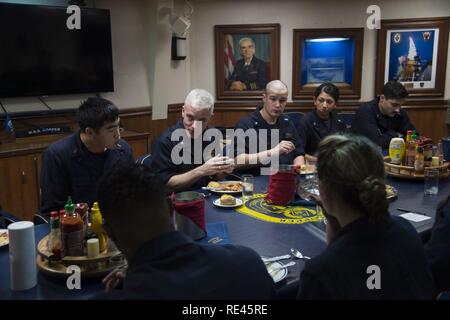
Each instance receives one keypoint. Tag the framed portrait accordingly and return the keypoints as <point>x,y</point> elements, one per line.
<point>247,58</point>
<point>327,55</point>
<point>414,52</point>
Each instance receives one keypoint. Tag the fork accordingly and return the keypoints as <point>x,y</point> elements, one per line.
<point>267,260</point>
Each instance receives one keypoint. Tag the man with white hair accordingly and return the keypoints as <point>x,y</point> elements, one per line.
<point>174,156</point>
<point>250,73</point>
<point>278,127</point>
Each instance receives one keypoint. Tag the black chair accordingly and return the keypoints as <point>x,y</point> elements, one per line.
<point>347,118</point>
<point>39,219</point>
<point>6,219</point>
<point>295,117</point>
<point>145,160</point>
<point>444,295</point>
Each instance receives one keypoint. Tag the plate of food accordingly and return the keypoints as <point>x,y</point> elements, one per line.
<point>4,240</point>
<point>391,192</point>
<point>307,169</point>
<point>228,201</point>
<point>225,186</point>
<point>276,271</point>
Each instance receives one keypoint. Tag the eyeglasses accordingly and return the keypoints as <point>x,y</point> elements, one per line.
<point>322,100</point>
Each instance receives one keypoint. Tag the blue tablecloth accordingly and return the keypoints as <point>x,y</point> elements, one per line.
<point>55,288</point>
<point>229,226</point>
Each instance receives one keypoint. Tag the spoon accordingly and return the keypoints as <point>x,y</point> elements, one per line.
<point>298,254</point>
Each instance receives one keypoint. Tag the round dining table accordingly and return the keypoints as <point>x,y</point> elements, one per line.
<point>268,239</point>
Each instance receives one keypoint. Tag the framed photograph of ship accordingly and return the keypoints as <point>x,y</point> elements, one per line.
<point>414,52</point>
<point>327,55</point>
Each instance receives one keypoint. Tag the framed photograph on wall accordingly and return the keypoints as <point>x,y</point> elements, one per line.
<point>327,55</point>
<point>414,52</point>
<point>247,57</point>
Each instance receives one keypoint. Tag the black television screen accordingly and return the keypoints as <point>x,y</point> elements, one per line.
<point>39,55</point>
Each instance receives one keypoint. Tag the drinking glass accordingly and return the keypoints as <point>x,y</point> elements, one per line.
<point>247,185</point>
<point>308,185</point>
<point>431,182</point>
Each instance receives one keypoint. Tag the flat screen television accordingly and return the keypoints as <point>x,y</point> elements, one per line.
<point>40,56</point>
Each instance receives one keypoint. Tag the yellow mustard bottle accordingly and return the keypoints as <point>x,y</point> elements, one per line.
<point>97,227</point>
<point>397,150</point>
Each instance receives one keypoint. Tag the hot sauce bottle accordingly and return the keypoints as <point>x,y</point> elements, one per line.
<point>54,239</point>
<point>72,231</point>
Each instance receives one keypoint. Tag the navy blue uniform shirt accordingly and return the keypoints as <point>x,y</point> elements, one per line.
<point>287,131</point>
<point>438,247</point>
<point>313,129</point>
<point>370,122</point>
<point>70,169</point>
<point>253,75</point>
<point>341,271</point>
<point>163,164</point>
<point>172,266</point>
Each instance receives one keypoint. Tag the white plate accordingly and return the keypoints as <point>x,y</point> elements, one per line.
<point>4,237</point>
<point>227,191</point>
<point>307,172</point>
<point>239,202</point>
<point>279,274</point>
<point>310,169</point>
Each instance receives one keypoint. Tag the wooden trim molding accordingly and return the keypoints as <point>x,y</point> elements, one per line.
<point>138,111</point>
<point>344,105</point>
<point>247,106</point>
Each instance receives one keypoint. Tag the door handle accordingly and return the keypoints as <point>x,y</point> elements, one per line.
<point>24,177</point>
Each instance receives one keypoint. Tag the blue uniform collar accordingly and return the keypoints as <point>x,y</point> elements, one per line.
<point>259,122</point>
<point>363,226</point>
<point>77,146</point>
<point>380,115</point>
<point>317,120</point>
<point>78,149</point>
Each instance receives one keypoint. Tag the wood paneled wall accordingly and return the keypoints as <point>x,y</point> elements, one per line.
<point>430,122</point>
<point>428,116</point>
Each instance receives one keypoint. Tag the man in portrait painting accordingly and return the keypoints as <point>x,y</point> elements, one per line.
<point>250,73</point>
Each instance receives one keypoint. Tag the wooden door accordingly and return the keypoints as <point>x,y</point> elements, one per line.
<point>139,146</point>
<point>18,186</point>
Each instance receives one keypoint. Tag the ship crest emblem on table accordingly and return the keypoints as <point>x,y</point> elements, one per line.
<point>258,208</point>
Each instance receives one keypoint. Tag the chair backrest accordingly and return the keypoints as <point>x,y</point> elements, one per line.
<point>146,160</point>
<point>347,118</point>
<point>39,219</point>
<point>2,223</point>
<point>295,117</point>
<point>444,295</point>
<point>6,219</point>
